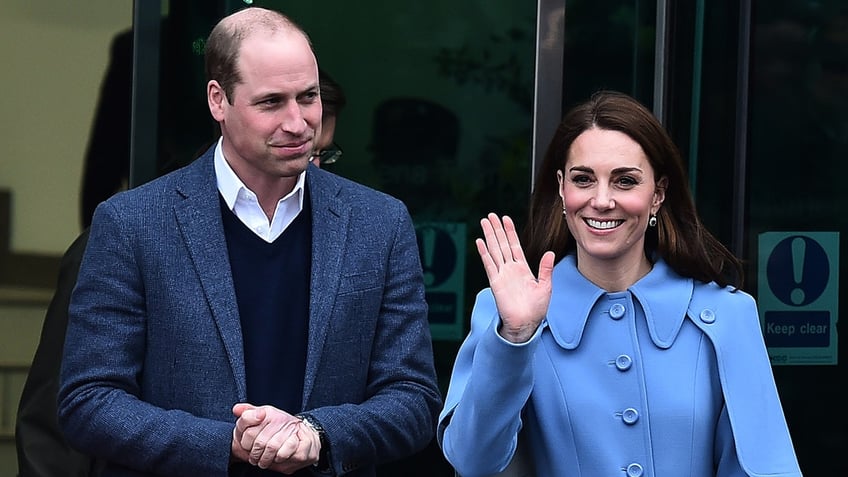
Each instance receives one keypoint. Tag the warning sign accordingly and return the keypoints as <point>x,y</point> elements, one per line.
<point>442,249</point>
<point>798,296</point>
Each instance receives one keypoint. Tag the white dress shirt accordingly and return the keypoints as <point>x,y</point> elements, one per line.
<point>244,203</point>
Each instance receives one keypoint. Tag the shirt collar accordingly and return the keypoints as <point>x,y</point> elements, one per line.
<point>229,183</point>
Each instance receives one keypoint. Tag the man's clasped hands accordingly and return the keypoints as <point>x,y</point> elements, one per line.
<point>269,438</point>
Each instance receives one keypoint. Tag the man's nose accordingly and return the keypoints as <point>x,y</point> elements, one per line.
<point>292,119</point>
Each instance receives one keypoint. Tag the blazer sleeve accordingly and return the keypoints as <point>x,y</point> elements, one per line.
<point>102,409</point>
<point>385,406</point>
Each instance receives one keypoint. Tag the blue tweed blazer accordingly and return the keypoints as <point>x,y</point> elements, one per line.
<point>154,360</point>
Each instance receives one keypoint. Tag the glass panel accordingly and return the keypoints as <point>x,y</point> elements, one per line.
<point>798,141</point>
<point>608,45</point>
<point>701,91</point>
<point>797,113</point>
<point>56,56</point>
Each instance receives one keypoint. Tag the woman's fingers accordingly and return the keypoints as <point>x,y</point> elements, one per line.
<point>500,237</point>
<point>501,240</point>
<point>511,234</point>
<point>489,235</point>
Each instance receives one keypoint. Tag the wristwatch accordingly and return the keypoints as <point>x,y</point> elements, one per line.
<point>323,464</point>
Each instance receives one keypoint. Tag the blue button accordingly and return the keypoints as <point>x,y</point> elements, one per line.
<point>630,416</point>
<point>707,316</point>
<point>616,311</point>
<point>634,470</point>
<point>623,362</point>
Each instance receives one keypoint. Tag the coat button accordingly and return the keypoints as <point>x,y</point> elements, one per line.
<point>634,470</point>
<point>616,311</point>
<point>623,362</point>
<point>707,316</point>
<point>630,416</point>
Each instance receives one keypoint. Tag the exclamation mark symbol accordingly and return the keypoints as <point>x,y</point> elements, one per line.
<point>428,247</point>
<point>799,248</point>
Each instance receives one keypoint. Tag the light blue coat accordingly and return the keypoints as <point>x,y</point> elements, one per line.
<point>668,378</point>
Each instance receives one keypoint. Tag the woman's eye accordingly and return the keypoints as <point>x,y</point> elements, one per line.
<point>581,179</point>
<point>627,181</point>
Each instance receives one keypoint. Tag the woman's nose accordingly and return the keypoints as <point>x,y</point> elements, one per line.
<point>603,199</point>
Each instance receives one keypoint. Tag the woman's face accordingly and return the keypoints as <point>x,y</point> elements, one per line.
<point>609,192</point>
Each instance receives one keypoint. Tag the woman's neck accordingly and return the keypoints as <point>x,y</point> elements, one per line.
<point>613,275</point>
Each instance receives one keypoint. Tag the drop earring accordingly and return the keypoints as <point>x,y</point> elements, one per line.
<point>652,222</point>
<point>564,212</point>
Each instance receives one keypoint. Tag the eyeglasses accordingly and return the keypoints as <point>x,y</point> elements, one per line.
<point>329,155</point>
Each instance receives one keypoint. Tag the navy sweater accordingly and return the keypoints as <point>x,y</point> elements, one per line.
<point>272,292</point>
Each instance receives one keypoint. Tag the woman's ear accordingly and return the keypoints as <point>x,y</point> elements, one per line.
<point>659,192</point>
<point>560,179</point>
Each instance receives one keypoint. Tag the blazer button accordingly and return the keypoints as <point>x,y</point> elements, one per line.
<point>630,416</point>
<point>616,311</point>
<point>634,470</point>
<point>707,316</point>
<point>623,362</point>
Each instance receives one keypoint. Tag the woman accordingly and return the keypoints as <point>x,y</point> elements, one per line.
<point>630,350</point>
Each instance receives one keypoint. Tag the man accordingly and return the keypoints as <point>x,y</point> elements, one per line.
<point>41,449</point>
<point>333,100</point>
<point>251,287</point>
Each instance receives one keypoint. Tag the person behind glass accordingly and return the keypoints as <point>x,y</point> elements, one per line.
<point>333,100</point>
<point>249,313</point>
<point>630,349</point>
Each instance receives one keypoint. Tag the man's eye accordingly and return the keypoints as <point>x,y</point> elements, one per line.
<point>309,97</point>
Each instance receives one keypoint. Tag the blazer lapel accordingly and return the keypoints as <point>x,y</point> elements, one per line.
<point>330,217</point>
<point>200,222</point>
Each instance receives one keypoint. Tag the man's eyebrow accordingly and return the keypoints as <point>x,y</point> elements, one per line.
<point>266,96</point>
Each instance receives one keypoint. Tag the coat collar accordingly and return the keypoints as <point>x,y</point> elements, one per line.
<point>663,294</point>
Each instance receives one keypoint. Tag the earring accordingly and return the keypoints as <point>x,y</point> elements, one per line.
<point>652,222</point>
<point>564,212</point>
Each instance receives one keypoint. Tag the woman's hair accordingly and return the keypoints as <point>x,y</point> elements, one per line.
<point>679,236</point>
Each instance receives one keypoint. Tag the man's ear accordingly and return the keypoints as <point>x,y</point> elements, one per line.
<point>217,99</point>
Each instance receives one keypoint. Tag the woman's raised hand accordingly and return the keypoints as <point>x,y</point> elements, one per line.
<point>522,299</point>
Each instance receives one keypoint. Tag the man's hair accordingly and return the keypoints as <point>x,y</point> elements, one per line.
<point>224,42</point>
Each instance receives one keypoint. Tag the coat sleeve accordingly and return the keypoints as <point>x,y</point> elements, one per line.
<point>489,387</point>
<point>730,320</point>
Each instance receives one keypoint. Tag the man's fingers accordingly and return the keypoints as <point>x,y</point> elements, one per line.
<point>285,441</point>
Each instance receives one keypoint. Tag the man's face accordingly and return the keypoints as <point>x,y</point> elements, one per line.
<point>271,123</point>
